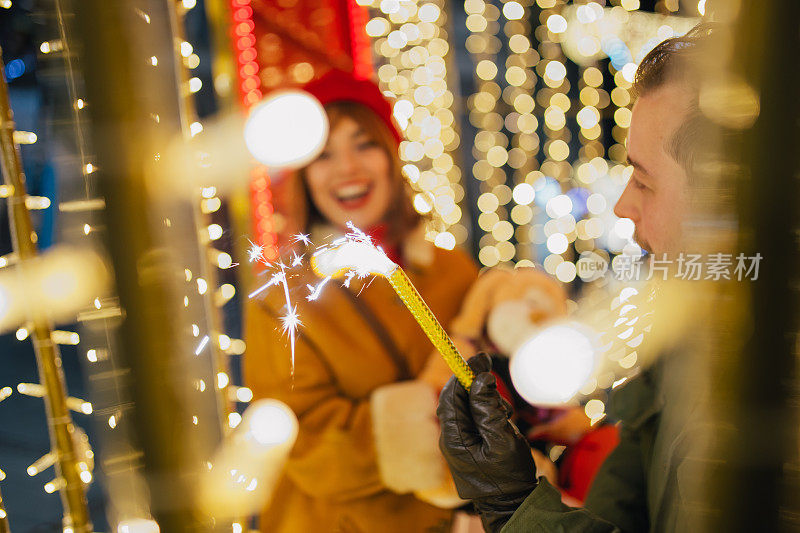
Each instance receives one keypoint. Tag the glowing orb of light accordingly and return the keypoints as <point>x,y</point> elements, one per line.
<point>552,366</point>
<point>271,422</point>
<point>286,130</point>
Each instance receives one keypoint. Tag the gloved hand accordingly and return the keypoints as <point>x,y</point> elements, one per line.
<point>490,460</point>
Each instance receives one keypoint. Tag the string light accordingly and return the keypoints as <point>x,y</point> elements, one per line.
<point>214,231</point>
<point>24,137</point>
<point>195,84</point>
<point>48,47</point>
<point>411,41</point>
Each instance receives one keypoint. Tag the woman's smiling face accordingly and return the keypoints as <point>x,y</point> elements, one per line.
<point>350,180</point>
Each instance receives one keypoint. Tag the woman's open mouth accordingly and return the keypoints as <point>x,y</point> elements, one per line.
<point>353,196</point>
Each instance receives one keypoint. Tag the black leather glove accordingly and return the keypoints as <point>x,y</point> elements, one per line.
<point>490,460</point>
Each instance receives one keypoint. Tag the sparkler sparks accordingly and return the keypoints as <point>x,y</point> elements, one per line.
<point>371,259</point>
<point>302,237</point>
<point>255,253</point>
<point>290,322</point>
<point>314,292</point>
<point>297,260</point>
<point>274,280</point>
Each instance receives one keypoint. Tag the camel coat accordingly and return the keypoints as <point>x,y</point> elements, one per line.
<point>351,342</point>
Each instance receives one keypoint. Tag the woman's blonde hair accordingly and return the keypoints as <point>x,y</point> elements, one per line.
<point>401,217</point>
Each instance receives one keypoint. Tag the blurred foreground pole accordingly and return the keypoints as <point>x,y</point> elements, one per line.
<point>48,357</point>
<point>133,103</point>
<point>757,386</point>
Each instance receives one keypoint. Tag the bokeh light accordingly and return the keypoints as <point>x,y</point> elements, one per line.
<point>552,366</point>
<point>286,130</point>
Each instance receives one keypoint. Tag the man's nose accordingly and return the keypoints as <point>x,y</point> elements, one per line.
<point>626,205</point>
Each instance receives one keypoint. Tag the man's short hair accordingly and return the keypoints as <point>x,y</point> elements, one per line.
<point>680,60</point>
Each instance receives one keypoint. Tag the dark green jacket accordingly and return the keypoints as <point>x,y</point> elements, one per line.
<point>643,485</point>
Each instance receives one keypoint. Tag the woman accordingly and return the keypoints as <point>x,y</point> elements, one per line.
<point>353,340</point>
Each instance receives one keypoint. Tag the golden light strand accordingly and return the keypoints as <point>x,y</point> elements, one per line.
<point>410,38</point>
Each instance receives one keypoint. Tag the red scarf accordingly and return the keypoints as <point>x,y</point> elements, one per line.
<point>379,235</point>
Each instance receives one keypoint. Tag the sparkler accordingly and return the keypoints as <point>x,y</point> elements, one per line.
<point>290,322</point>
<point>355,254</point>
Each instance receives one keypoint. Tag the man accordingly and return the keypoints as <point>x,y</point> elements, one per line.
<point>637,488</point>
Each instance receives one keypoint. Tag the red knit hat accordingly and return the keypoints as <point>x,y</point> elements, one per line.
<point>339,86</point>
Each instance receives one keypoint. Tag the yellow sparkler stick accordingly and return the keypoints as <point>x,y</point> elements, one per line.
<point>432,328</point>
<point>363,258</point>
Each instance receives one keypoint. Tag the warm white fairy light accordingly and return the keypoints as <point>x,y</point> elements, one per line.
<point>411,41</point>
<point>51,486</point>
<point>234,419</point>
<point>24,137</point>
<point>240,394</point>
<point>38,391</point>
<point>214,231</point>
<point>202,345</point>
<point>502,110</point>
